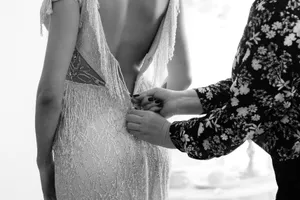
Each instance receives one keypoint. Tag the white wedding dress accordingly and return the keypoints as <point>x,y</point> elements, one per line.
<point>95,157</point>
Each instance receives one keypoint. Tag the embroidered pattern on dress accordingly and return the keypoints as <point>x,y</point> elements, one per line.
<point>81,72</point>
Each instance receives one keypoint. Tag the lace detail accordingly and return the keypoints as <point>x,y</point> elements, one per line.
<point>95,157</point>
<point>80,71</point>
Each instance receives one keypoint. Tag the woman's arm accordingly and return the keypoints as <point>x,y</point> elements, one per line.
<point>215,95</point>
<point>61,42</point>
<point>170,102</point>
<point>179,77</point>
<point>262,104</point>
<point>187,102</point>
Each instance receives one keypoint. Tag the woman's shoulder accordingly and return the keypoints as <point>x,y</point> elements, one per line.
<point>47,9</point>
<point>268,12</point>
<point>275,5</point>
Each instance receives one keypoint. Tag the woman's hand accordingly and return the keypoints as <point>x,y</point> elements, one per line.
<point>48,182</point>
<point>162,101</point>
<point>169,102</point>
<point>150,127</point>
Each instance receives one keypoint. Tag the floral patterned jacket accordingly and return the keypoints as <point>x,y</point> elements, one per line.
<point>261,101</point>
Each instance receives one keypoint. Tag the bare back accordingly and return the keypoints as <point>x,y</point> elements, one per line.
<point>130,27</point>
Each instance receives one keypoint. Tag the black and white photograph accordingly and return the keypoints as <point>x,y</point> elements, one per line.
<point>150,100</point>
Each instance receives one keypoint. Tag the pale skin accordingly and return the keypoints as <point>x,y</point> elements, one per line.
<point>119,18</point>
<point>153,127</point>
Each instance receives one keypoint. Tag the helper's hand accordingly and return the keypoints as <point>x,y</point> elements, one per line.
<point>162,101</point>
<point>150,127</point>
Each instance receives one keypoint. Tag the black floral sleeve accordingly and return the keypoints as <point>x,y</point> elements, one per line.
<point>263,101</point>
<point>215,95</point>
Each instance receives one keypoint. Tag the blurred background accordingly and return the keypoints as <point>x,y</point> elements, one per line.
<point>214,28</point>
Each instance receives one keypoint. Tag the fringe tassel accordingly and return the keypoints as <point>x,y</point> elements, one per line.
<point>110,67</point>
<point>45,12</point>
<point>173,27</point>
<point>166,46</point>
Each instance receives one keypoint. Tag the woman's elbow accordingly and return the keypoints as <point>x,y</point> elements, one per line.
<point>184,82</point>
<point>187,81</point>
<point>48,98</point>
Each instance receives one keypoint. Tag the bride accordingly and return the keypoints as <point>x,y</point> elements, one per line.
<point>99,53</point>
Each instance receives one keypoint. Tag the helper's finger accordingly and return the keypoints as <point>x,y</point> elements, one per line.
<point>147,100</point>
<point>135,101</point>
<point>142,95</point>
<point>156,109</point>
<point>140,113</point>
<point>151,104</point>
<point>133,118</point>
<point>136,134</point>
<point>133,127</point>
